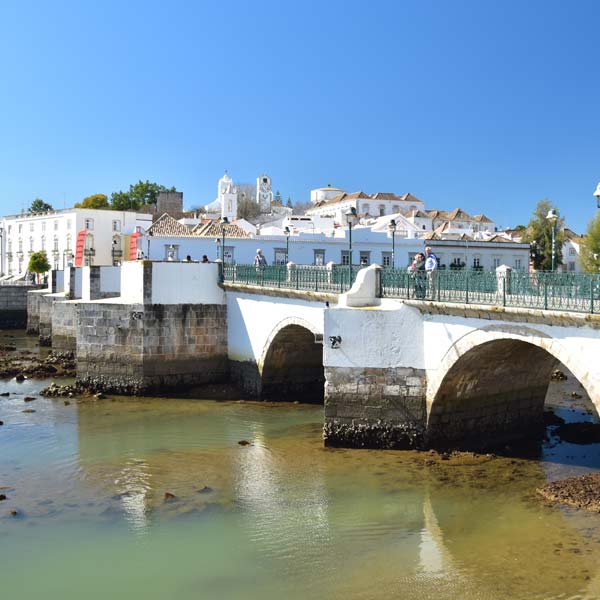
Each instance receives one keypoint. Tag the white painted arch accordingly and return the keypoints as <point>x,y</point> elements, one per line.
<point>568,350</point>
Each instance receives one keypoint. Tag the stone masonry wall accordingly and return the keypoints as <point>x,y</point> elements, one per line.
<point>138,349</point>
<point>375,407</point>
<point>13,306</point>
<point>64,320</point>
<point>46,303</point>
<point>33,310</point>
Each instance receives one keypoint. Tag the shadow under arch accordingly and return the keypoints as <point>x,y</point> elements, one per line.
<point>491,387</point>
<point>291,366</point>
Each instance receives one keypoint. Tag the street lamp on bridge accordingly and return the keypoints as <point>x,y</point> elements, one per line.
<point>552,216</point>
<point>392,226</point>
<point>597,194</point>
<point>287,233</point>
<point>351,216</point>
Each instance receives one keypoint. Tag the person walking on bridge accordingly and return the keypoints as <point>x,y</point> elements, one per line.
<point>431,268</point>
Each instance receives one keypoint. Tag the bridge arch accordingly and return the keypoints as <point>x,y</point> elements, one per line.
<point>291,364</point>
<point>492,383</point>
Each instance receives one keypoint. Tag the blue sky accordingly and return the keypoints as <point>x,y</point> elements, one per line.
<point>490,106</point>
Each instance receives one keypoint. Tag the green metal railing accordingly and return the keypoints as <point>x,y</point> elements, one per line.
<point>336,280</point>
<point>576,292</point>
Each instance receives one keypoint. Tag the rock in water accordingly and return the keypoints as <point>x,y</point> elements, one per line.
<point>169,497</point>
<point>244,443</point>
<point>581,492</point>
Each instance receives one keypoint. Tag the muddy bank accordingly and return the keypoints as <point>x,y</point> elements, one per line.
<point>580,492</point>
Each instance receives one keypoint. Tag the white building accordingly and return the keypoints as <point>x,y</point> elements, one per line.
<point>172,240</point>
<point>225,204</point>
<point>365,205</point>
<point>571,250</point>
<point>74,236</point>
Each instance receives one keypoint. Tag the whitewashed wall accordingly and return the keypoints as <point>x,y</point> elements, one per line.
<point>252,319</point>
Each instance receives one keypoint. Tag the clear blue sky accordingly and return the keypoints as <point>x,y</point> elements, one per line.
<point>490,106</point>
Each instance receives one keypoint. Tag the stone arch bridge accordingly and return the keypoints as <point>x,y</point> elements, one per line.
<point>409,373</point>
<point>392,373</point>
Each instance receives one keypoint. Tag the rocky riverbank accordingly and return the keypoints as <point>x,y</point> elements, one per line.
<point>24,363</point>
<point>580,492</point>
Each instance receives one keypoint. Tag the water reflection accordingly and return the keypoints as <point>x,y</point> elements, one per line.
<point>282,517</point>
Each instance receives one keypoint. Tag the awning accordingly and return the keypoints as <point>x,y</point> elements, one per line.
<point>133,245</point>
<point>79,247</point>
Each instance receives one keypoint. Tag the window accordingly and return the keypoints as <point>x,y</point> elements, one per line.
<point>279,257</point>
<point>20,244</point>
<point>572,251</point>
<point>43,243</point>
<point>9,228</point>
<point>30,244</point>
<point>171,252</point>
<point>496,262</point>
<point>20,228</point>
<point>395,209</point>
<point>116,225</point>
<point>386,259</point>
<point>319,258</point>
<point>89,224</point>
<point>571,265</point>
<point>31,228</point>
<point>518,264</point>
<point>476,262</point>
<point>55,224</point>
<point>43,225</point>
<point>365,258</point>
<point>365,209</point>
<point>345,257</point>
<point>68,248</point>
<point>68,224</point>
<point>381,210</point>
<point>55,247</point>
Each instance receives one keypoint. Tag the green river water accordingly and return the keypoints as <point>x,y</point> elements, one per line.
<point>283,518</point>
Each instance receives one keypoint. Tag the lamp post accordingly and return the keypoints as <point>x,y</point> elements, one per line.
<point>287,232</point>
<point>224,223</point>
<point>552,216</point>
<point>350,215</point>
<point>597,194</point>
<point>392,226</point>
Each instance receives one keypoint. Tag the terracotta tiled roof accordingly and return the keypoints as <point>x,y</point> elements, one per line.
<point>482,219</point>
<point>571,235</point>
<point>418,213</point>
<point>458,214</point>
<point>499,238</point>
<point>166,225</point>
<point>214,229</point>
<point>360,195</point>
<point>437,214</point>
<point>386,196</point>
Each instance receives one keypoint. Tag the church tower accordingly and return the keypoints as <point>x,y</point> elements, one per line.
<point>264,193</point>
<point>227,196</point>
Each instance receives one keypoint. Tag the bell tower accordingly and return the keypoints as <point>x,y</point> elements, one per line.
<point>264,193</point>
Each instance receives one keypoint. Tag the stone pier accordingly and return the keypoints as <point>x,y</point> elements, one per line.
<point>167,331</point>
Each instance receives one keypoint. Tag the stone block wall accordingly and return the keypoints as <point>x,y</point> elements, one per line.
<point>45,310</point>
<point>375,407</point>
<point>64,321</point>
<point>13,306</point>
<point>139,349</point>
<point>33,310</point>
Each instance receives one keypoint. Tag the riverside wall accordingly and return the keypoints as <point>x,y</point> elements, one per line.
<point>13,306</point>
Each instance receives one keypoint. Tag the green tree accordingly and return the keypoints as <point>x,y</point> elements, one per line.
<point>539,235</point>
<point>277,198</point>
<point>589,253</point>
<point>94,201</point>
<point>139,195</point>
<point>38,263</point>
<point>289,204</point>
<point>39,206</point>
<point>247,209</point>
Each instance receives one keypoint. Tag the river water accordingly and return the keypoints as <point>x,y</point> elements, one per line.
<point>282,517</point>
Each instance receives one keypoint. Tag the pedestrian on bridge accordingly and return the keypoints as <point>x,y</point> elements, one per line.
<point>431,268</point>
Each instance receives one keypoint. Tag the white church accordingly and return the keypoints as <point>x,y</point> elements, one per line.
<point>226,203</point>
